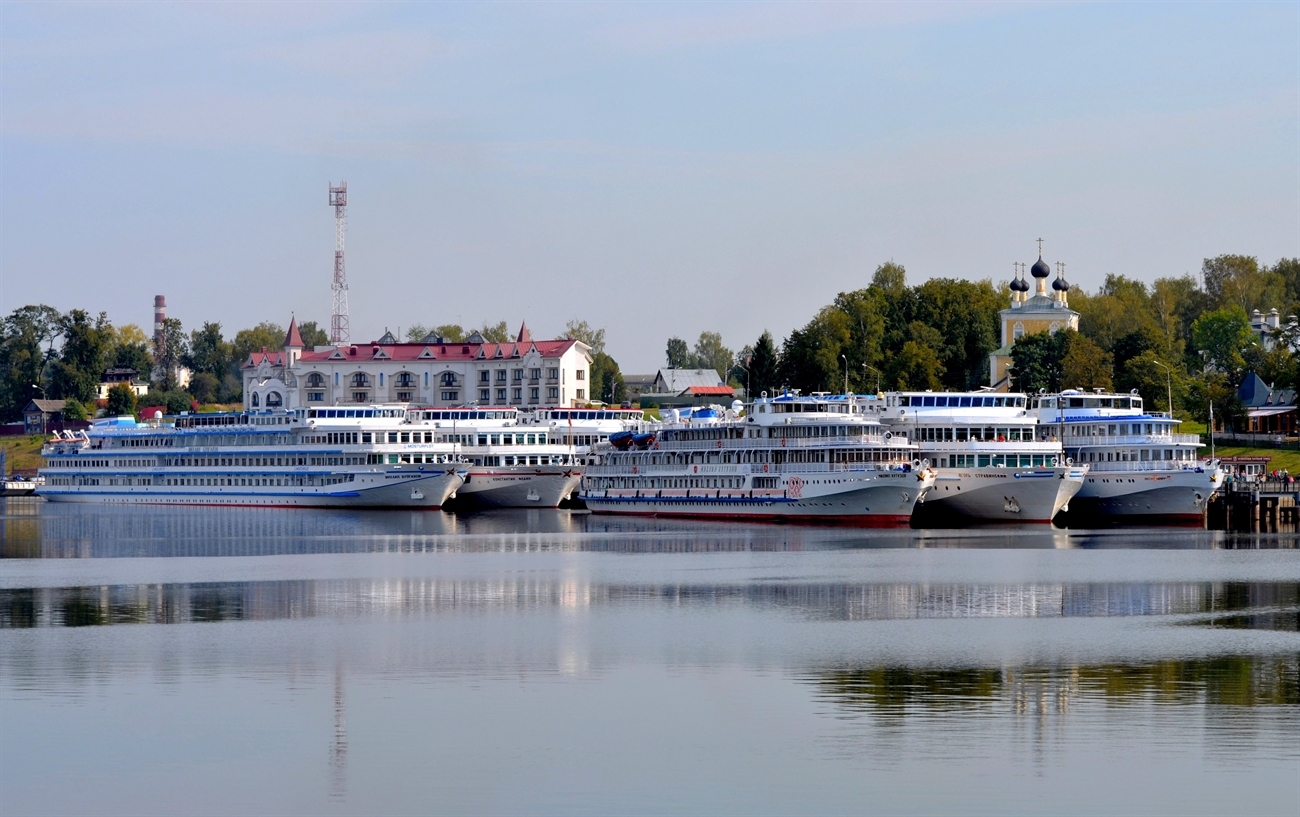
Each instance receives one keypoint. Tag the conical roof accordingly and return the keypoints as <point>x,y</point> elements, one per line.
<point>293,339</point>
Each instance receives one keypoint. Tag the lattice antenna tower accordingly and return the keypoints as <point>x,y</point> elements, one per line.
<point>340,334</point>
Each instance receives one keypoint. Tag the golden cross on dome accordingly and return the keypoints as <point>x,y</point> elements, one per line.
<point>1040,248</point>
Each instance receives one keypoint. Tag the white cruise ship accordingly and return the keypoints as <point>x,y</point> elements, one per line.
<point>1139,469</point>
<point>990,465</point>
<point>582,428</point>
<point>509,464</point>
<point>791,457</point>
<point>367,456</point>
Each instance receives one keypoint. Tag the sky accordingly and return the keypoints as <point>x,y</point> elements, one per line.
<point>655,169</point>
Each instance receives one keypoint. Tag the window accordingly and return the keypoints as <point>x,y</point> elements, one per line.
<point>256,400</point>
<point>552,374</point>
<point>516,394</point>
<point>315,380</point>
<point>517,375</point>
<point>1017,331</point>
<point>485,395</point>
<point>404,397</point>
<point>315,397</point>
<point>534,374</point>
<point>581,374</point>
<point>274,400</point>
<point>532,394</point>
<point>580,393</point>
<point>501,375</point>
<point>448,379</point>
<point>552,393</point>
<point>451,396</point>
<point>405,380</point>
<point>501,395</point>
<point>358,397</point>
<point>484,377</point>
<point>360,380</point>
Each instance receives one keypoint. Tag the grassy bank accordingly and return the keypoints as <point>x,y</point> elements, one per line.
<point>1278,457</point>
<point>23,453</point>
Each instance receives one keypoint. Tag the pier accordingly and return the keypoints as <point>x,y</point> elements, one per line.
<point>1267,507</point>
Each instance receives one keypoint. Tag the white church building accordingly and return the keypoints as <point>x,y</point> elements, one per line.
<point>524,373</point>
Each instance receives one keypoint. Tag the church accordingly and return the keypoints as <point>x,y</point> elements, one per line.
<point>1041,312</point>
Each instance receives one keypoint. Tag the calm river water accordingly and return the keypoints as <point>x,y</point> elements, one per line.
<point>245,661</point>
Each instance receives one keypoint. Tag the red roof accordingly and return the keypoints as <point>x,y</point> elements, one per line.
<point>294,337</point>
<point>439,351</point>
<point>257,358</point>
<point>524,335</point>
<point>711,390</point>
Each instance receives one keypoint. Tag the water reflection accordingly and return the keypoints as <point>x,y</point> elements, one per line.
<point>32,529</point>
<point>1240,605</point>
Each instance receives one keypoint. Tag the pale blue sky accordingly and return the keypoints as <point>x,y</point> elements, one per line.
<point>654,168</point>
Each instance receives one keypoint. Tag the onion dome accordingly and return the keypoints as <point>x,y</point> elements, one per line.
<point>1040,269</point>
<point>1019,285</point>
<point>1060,285</point>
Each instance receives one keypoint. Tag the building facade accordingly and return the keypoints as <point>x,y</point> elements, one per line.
<point>431,372</point>
<point>1042,312</point>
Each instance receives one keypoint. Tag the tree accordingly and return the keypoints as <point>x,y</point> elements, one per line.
<point>82,360</point>
<point>1221,335</point>
<point>416,333</point>
<point>169,353</point>
<point>26,344</point>
<point>606,380</point>
<point>451,332</point>
<point>73,410</point>
<point>209,353</point>
<point>967,311</point>
<point>121,400</point>
<point>711,354</point>
<point>916,366</point>
<point>205,387</point>
<point>265,335</point>
<point>1086,365</point>
<point>581,330</point>
<point>313,335</point>
<point>764,366</point>
<point>496,333</point>
<point>1036,363</point>
<point>810,357</point>
<point>679,354</point>
<point>865,314</point>
<point>1215,388</point>
<point>1153,381</point>
<point>1237,280</point>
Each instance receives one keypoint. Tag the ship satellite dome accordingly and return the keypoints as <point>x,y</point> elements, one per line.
<point>1040,269</point>
<point>737,406</point>
<point>157,415</point>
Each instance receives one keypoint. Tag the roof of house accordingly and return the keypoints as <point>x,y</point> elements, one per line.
<point>293,338</point>
<point>45,405</point>
<point>257,358</point>
<point>524,335</point>
<point>701,391</point>
<point>1255,393</point>
<point>676,380</point>
<point>422,351</point>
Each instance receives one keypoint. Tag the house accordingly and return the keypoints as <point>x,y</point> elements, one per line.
<point>1268,410</point>
<point>39,415</point>
<point>676,381</point>
<point>686,387</point>
<point>433,371</point>
<point>112,377</point>
<point>638,384</point>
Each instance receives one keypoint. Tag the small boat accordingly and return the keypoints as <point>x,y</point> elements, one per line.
<point>643,440</point>
<point>621,439</point>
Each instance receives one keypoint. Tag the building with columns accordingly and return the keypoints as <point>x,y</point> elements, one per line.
<point>1042,312</point>
<point>431,372</point>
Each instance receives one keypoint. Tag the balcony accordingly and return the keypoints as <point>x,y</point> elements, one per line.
<point>1133,439</point>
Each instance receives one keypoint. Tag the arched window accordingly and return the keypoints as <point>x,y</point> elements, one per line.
<point>256,401</point>
<point>274,400</point>
<point>448,378</point>
<point>360,380</point>
<point>405,380</point>
<point>316,380</point>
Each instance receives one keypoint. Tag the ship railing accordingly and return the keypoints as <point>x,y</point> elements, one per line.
<point>1097,469</point>
<point>783,442</point>
<point>1132,439</point>
<point>742,468</point>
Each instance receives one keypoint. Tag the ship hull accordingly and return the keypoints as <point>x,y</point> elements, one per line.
<point>887,502</point>
<point>1177,496</point>
<point>526,487</point>
<point>999,495</point>
<point>397,489</point>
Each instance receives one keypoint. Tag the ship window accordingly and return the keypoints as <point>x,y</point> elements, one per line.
<point>929,401</point>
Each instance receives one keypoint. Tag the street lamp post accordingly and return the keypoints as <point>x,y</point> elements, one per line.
<point>1169,389</point>
<point>866,366</point>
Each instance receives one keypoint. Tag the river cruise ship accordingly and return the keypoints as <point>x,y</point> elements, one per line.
<point>583,428</point>
<point>362,457</point>
<point>1139,467</point>
<point>791,457</point>
<point>509,464</point>
<point>990,464</point>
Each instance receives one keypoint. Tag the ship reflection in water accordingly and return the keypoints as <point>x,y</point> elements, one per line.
<point>233,660</point>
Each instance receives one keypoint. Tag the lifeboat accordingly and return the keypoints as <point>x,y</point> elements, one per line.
<point>621,439</point>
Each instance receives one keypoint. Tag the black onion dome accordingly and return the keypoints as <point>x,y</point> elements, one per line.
<point>1019,285</point>
<point>1060,285</point>
<point>1040,269</point>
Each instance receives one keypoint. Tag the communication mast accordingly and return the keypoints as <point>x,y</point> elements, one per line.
<point>339,332</point>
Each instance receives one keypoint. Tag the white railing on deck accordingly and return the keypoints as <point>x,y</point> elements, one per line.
<point>1133,439</point>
